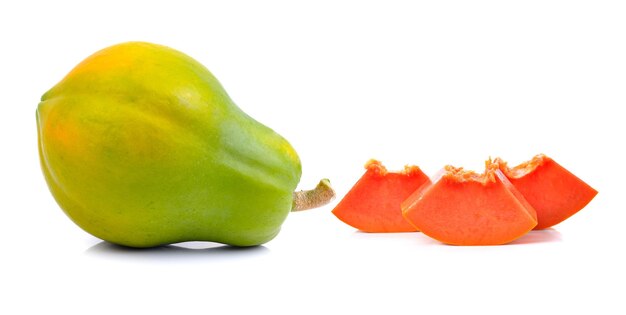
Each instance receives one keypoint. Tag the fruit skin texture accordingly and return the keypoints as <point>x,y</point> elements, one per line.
<point>464,208</point>
<point>373,203</point>
<point>141,146</point>
<point>554,192</point>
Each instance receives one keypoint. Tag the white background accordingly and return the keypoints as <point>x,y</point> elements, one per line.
<point>425,83</point>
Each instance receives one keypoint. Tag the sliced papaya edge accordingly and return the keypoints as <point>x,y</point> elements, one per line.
<point>419,192</point>
<point>378,168</point>
<point>461,175</point>
<point>523,168</point>
<point>530,210</point>
<point>410,170</point>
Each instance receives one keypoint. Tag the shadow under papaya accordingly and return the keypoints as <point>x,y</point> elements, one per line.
<point>539,236</point>
<point>186,250</point>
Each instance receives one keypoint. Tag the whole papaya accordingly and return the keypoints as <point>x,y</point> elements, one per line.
<point>141,146</point>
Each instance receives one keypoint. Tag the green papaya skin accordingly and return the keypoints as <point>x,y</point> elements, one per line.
<point>141,146</point>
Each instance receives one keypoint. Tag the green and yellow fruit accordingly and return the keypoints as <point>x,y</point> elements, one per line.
<point>141,146</point>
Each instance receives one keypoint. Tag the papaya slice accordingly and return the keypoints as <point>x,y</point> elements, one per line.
<point>463,207</point>
<point>554,192</point>
<point>373,203</point>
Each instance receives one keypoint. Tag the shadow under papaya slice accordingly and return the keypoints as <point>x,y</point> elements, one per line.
<point>466,208</point>
<point>373,203</point>
<point>554,192</point>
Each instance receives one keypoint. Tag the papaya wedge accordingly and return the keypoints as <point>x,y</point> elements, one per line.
<point>463,207</point>
<point>373,203</point>
<point>553,191</point>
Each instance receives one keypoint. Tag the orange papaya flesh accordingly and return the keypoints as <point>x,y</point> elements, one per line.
<point>463,207</point>
<point>373,203</point>
<point>554,192</point>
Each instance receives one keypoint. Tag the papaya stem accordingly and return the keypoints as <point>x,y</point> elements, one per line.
<point>308,199</point>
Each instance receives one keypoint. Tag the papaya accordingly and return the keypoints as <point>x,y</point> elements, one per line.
<point>553,191</point>
<point>373,203</point>
<point>462,207</point>
<point>141,146</point>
